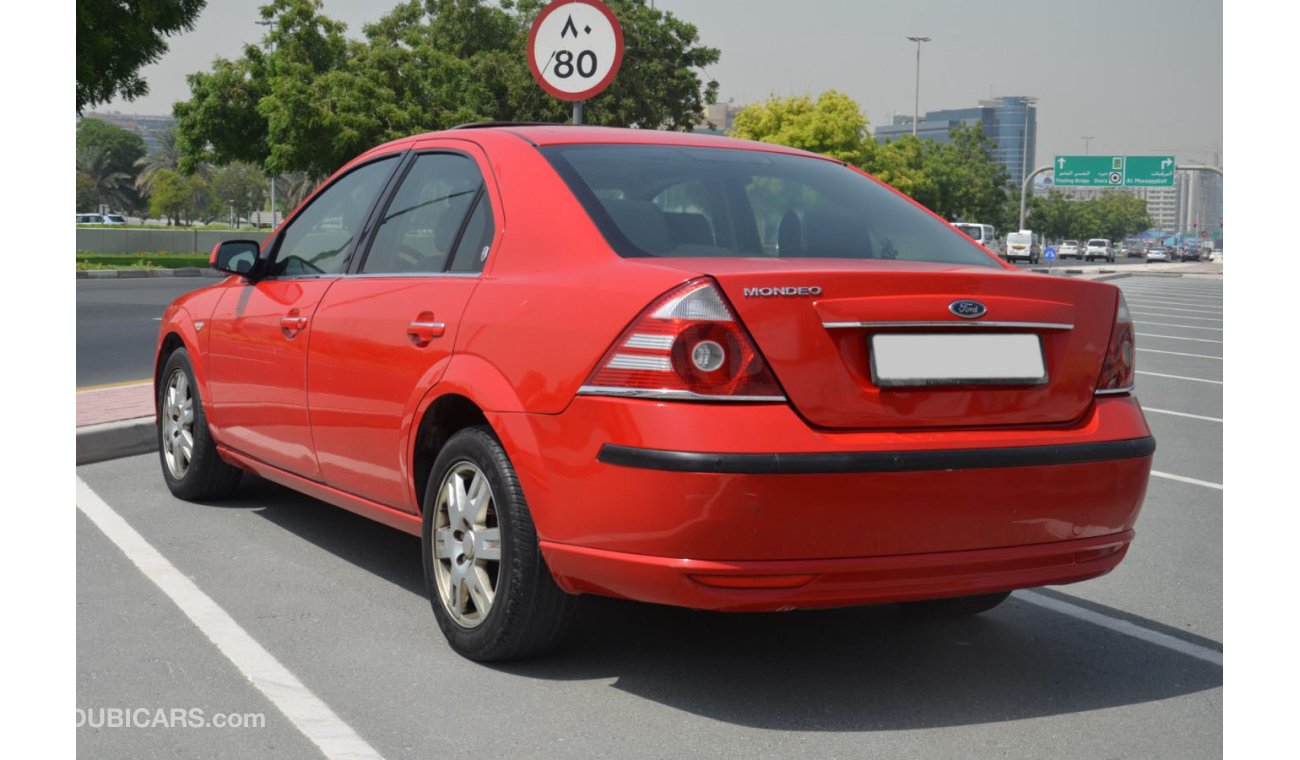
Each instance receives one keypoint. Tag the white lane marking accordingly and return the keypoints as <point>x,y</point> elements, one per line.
<point>157,319</point>
<point>1122,626</point>
<point>1185,479</point>
<point>1177,337</point>
<point>1175,324</point>
<point>1150,305</point>
<point>1180,353</point>
<point>1180,377</point>
<point>1161,300</point>
<point>1182,414</point>
<point>115,387</point>
<point>1177,316</point>
<point>304,709</point>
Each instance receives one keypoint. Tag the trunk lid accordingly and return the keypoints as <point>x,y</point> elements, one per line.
<point>813,320</point>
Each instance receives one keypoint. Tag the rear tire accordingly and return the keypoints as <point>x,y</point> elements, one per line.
<point>955,607</point>
<point>192,468</point>
<point>492,594</point>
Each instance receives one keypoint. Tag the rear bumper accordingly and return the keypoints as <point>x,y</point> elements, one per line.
<point>638,498</point>
<point>778,585</point>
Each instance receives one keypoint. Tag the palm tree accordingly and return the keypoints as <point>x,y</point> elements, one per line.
<point>165,157</point>
<point>112,187</point>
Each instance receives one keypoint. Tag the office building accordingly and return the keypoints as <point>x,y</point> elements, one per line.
<point>1011,122</point>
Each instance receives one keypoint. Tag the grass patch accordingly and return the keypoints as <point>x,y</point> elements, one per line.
<point>142,260</point>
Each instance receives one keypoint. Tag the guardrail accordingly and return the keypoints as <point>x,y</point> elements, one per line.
<point>108,240</point>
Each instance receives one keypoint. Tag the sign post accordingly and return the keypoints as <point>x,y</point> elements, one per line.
<point>575,48</point>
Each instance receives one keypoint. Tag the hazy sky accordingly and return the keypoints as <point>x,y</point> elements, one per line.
<point>1140,76</point>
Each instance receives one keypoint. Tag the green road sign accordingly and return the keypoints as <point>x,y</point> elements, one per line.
<point>1149,171</point>
<point>1113,171</point>
<point>1088,171</point>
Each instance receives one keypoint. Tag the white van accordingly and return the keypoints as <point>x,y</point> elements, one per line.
<point>984,234</point>
<point>1024,245</point>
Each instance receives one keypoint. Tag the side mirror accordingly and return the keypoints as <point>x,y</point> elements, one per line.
<point>235,256</point>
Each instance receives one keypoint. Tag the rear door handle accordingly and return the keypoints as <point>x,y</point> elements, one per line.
<point>293,324</point>
<point>423,332</point>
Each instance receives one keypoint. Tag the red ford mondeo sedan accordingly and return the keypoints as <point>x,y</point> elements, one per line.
<point>666,367</point>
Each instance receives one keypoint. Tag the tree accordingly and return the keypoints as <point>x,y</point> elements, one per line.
<point>165,157</point>
<point>171,196</point>
<point>966,183</point>
<point>107,185</point>
<point>833,125</point>
<point>117,37</point>
<point>242,185</point>
<point>308,99</point>
<point>87,195</point>
<point>109,154</point>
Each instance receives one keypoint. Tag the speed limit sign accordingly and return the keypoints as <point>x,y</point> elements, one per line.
<point>575,48</point>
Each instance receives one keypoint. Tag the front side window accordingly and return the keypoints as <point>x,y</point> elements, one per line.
<point>320,238</point>
<point>429,216</point>
<point>665,201</point>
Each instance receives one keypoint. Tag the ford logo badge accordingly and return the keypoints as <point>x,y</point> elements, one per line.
<point>968,309</point>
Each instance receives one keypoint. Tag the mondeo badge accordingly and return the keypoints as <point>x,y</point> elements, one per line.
<point>968,309</point>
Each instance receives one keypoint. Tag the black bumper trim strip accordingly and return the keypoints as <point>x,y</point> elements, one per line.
<point>874,461</point>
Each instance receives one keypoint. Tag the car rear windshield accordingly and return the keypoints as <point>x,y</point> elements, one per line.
<point>1097,243</point>
<point>667,201</point>
<point>975,231</point>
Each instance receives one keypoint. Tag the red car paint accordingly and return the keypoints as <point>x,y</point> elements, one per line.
<point>318,384</point>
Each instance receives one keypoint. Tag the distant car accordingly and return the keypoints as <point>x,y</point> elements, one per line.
<point>1189,254</point>
<point>618,393</point>
<point>1023,245</point>
<point>114,219</point>
<point>1068,250</point>
<point>1098,248</point>
<point>90,219</point>
<point>1136,251</point>
<point>1158,254</point>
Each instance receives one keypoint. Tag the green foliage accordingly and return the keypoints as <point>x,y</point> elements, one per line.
<point>108,154</point>
<point>87,194</point>
<point>833,125</point>
<point>115,38</point>
<point>957,180</point>
<point>308,100</point>
<point>1111,215</point>
<point>109,186</point>
<point>243,184</point>
<point>172,196</point>
<point>165,157</point>
<point>142,260</point>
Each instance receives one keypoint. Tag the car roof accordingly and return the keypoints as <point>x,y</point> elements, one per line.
<point>566,134</point>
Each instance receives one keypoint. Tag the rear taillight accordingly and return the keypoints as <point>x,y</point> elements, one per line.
<point>1117,372</point>
<point>686,345</point>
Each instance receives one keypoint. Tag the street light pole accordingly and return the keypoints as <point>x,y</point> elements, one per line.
<point>267,23</point>
<point>916,103</point>
<point>1024,156</point>
<point>1087,143</point>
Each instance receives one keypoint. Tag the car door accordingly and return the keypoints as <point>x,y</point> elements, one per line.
<point>384,334</point>
<point>260,330</point>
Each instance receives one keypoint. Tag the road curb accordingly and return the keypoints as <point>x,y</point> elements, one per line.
<point>116,274</point>
<point>113,440</point>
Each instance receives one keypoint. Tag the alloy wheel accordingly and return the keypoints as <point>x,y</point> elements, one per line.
<point>466,545</point>
<point>178,424</point>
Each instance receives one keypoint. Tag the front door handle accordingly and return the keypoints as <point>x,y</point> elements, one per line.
<point>291,324</point>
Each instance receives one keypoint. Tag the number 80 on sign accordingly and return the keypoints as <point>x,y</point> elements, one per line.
<point>575,48</point>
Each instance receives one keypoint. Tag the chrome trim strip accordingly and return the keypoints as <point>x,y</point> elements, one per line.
<point>1115,391</point>
<point>668,394</point>
<point>950,323</point>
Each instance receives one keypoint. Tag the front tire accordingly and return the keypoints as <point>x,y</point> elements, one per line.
<point>492,594</point>
<point>192,468</point>
<point>955,607</point>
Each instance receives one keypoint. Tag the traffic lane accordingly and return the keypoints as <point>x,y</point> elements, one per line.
<point>1196,368</point>
<point>1205,399</point>
<point>1187,447</point>
<point>138,651</point>
<point>117,325</point>
<point>339,600</point>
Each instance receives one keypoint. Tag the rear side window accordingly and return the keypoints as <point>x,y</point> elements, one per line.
<point>665,201</point>
<point>430,217</point>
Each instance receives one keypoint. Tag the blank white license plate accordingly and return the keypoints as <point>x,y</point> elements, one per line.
<point>919,359</point>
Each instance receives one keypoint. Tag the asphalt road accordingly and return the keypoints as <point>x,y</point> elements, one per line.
<point>117,325</point>
<point>1124,666</point>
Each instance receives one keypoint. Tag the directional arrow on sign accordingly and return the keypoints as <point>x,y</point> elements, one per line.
<point>1060,163</point>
